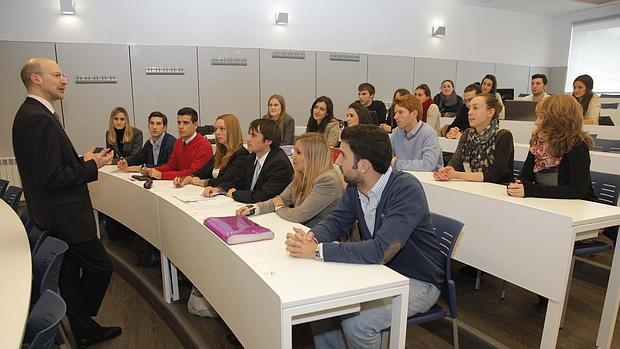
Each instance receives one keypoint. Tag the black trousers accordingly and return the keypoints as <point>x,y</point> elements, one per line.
<point>84,278</point>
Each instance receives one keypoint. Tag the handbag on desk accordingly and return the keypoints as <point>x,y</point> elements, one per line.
<point>237,229</point>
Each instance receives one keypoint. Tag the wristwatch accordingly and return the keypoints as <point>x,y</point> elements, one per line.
<point>317,252</point>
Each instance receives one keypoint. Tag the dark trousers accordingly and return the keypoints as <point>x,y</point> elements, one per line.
<point>84,277</point>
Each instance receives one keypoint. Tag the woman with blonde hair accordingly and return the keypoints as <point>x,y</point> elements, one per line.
<point>316,187</point>
<point>276,111</point>
<point>121,137</point>
<point>558,163</point>
<point>229,158</point>
<point>485,152</point>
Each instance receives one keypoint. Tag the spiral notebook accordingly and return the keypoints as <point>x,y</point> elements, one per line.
<point>237,229</point>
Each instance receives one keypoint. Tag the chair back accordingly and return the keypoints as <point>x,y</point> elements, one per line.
<point>606,145</point>
<point>46,266</point>
<point>3,185</point>
<point>43,321</point>
<point>12,196</point>
<point>606,187</point>
<point>609,105</point>
<point>448,231</point>
<point>36,237</point>
<point>25,218</point>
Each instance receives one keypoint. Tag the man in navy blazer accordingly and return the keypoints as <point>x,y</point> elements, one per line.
<point>156,150</point>
<point>54,180</point>
<point>267,171</point>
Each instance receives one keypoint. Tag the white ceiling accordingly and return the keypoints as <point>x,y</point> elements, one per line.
<point>541,7</point>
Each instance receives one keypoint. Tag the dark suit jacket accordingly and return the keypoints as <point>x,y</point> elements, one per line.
<point>275,175</point>
<point>236,164</point>
<point>145,155</point>
<point>129,149</point>
<point>53,176</point>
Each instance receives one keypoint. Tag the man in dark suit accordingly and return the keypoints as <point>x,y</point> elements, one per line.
<point>156,151</point>
<point>54,178</point>
<point>268,170</point>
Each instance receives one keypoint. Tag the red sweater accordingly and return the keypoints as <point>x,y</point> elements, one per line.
<point>186,158</point>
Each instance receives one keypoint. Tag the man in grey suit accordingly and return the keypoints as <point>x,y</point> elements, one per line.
<point>54,178</point>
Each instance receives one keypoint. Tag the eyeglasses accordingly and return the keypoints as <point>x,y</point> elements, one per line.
<point>57,75</point>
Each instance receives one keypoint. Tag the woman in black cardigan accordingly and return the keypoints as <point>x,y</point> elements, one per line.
<point>558,163</point>
<point>229,159</point>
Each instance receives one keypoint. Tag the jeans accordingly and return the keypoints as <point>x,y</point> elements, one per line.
<point>363,329</point>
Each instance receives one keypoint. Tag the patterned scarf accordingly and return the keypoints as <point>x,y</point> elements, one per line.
<point>479,149</point>
<point>543,159</point>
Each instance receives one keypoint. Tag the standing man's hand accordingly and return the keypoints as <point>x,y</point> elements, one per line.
<point>101,158</point>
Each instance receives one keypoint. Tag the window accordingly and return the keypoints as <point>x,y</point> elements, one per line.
<point>595,50</point>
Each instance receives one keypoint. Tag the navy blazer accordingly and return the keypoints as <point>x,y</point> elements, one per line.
<point>145,155</point>
<point>53,176</point>
<point>276,174</point>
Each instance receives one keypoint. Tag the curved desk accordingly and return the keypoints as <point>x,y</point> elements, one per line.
<point>17,275</point>
<point>257,288</point>
<point>526,241</point>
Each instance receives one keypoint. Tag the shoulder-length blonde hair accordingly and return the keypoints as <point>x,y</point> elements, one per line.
<point>128,135</point>
<point>318,160</point>
<point>283,115</point>
<point>234,140</point>
<point>561,124</point>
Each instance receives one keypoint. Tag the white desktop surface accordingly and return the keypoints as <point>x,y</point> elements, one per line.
<point>258,288</point>
<point>17,274</point>
<point>526,241</point>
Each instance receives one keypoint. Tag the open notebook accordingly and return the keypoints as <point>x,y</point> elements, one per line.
<point>237,229</point>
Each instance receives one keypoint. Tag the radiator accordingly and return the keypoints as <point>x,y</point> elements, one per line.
<point>9,172</point>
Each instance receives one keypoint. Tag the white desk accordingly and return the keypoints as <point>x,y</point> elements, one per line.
<point>17,275</point>
<point>526,241</point>
<point>257,288</point>
<point>599,161</point>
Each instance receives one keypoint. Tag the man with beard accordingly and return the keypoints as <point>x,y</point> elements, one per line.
<point>395,228</point>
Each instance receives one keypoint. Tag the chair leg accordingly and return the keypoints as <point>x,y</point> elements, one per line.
<point>570,278</point>
<point>478,276</point>
<point>455,333</point>
<point>503,295</point>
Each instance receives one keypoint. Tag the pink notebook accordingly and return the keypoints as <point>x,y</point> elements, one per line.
<point>237,229</point>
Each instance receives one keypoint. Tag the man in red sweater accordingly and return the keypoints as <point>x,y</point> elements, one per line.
<point>191,151</point>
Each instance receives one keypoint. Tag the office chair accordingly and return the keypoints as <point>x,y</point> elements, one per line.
<point>447,230</point>
<point>46,266</point>
<point>606,145</point>
<point>41,328</point>
<point>12,196</point>
<point>3,185</point>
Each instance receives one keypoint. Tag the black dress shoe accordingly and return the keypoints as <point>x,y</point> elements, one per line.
<point>104,334</point>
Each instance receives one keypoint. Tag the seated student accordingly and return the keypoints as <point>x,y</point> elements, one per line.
<point>590,102</point>
<point>485,152</point>
<point>416,146</point>
<point>358,115</point>
<point>316,187</point>
<point>267,170</point>
<point>538,86</point>
<point>430,111</point>
<point>322,120</point>
<point>489,85</point>
<point>461,121</point>
<point>558,163</point>
<point>390,122</point>
<point>121,137</point>
<point>276,111</point>
<point>156,150</point>
<point>191,151</point>
<point>447,100</point>
<point>229,159</point>
<point>396,231</point>
<point>366,94</point>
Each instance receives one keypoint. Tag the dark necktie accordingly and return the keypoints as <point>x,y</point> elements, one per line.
<point>57,118</point>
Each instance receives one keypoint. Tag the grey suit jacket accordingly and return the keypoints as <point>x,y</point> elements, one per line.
<point>325,194</point>
<point>129,149</point>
